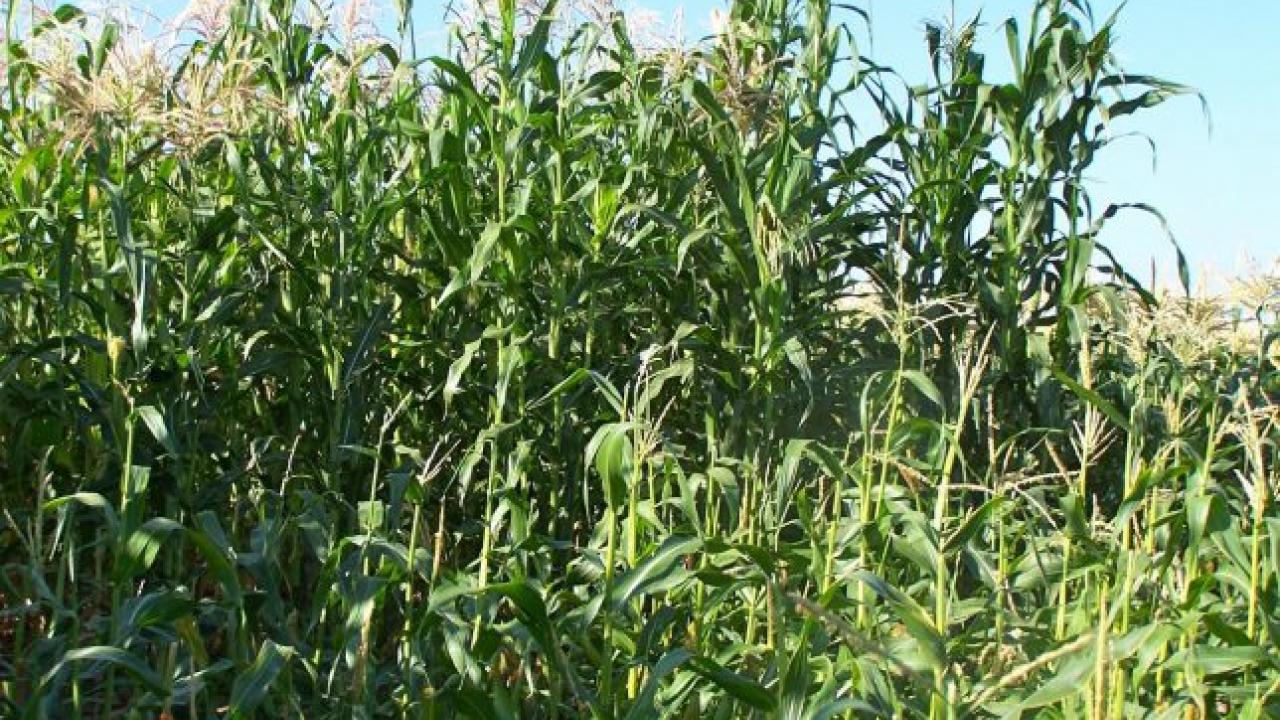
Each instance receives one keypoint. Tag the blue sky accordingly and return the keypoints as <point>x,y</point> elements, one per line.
<point>1217,189</point>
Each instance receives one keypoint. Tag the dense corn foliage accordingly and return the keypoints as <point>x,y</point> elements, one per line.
<point>564,375</point>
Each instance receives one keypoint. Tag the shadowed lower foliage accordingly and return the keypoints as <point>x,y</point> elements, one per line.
<point>560,376</point>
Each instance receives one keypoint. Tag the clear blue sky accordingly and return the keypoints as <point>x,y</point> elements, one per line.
<point>1218,190</point>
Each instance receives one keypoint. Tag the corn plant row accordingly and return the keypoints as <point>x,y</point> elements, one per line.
<point>560,374</point>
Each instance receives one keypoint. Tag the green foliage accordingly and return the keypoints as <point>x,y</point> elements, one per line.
<point>557,377</point>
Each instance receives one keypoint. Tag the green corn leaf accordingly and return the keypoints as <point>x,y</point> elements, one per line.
<point>654,569</point>
<point>1093,399</point>
<point>253,687</point>
<point>913,617</point>
<point>741,688</point>
<point>110,656</point>
<point>611,452</point>
<point>643,705</point>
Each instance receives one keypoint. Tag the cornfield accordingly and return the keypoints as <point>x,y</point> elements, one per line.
<point>569,372</point>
